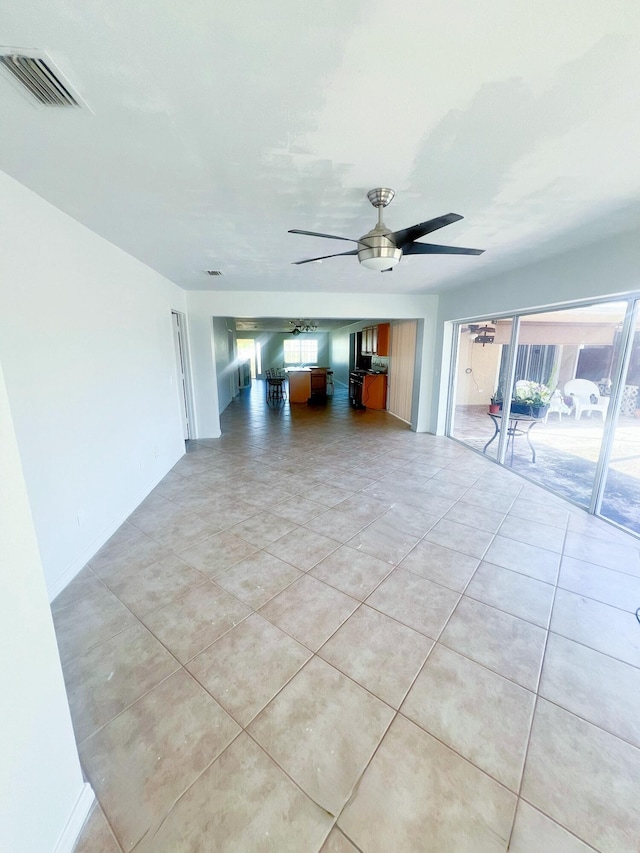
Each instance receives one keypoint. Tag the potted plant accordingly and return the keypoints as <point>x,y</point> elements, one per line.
<point>531,398</point>
<point>495,404</point>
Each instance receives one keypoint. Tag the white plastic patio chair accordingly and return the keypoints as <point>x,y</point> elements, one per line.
<point>557,404</point>
<point>584,392</point>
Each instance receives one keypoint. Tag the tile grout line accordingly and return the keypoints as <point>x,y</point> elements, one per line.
<point>537,695</point>
<point>397,712</point>
<point>108,822</point>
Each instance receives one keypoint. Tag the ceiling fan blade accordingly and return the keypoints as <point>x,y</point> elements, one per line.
<point>318,234</point>
<point>433,249</point>
<point>322,258</point>
<point>407,235</point>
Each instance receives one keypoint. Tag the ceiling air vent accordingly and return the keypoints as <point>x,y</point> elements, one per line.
<point>38,75</point>
<point>214,272</point>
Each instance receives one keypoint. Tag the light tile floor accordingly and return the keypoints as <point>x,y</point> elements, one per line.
<point>323,632</point>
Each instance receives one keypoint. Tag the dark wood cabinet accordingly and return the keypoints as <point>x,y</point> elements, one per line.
<point>318,384</point>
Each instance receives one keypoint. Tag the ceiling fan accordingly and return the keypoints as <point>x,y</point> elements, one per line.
<point>381,249</point>
<point>302,326</point>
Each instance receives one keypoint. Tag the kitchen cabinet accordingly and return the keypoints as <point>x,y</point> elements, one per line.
<point>368,390</point>
<point>374,391</point>
<point>318,385</point>
<point>299,385</point>
<point>375,340</point>
<point>367,340</point>
<point>382,347</point>
<point>307,383</point>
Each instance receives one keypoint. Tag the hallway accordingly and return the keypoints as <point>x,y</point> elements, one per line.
<point>324,632</point>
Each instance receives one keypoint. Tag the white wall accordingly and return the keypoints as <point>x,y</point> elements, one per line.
<point>204,376</point>
<point>41,784</point>
<point>204,305</point>
<point>339,359</point>
<point>477,387</point>
<point>87,349</point>
<point>225,361</point>
<point>608,268</point>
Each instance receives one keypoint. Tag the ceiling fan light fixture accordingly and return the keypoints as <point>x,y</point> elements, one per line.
<point>379,258</point>
<point>382,255</point>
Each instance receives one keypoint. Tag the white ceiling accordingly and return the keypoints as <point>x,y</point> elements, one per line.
<point>214,127</point>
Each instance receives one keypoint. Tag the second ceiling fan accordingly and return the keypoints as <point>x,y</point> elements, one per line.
<point>381,249</point>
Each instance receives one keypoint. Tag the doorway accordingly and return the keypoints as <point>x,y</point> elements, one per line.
<point>249,351</point>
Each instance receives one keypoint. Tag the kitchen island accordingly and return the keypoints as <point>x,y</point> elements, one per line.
<point>307,384</point>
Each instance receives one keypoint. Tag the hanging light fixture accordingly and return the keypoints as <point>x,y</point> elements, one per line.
<point>302,326</point>
<point>486,336</point>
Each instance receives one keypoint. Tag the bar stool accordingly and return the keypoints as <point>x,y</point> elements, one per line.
<point>275,386</point>
<point>329,383</point>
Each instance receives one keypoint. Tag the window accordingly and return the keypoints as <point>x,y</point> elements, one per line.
<point>301,351</point>
<point>533,362</point>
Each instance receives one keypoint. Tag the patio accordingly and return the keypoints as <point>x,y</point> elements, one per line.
<point>566,457</point>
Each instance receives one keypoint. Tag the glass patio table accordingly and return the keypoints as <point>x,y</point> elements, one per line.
<point>517,425</point>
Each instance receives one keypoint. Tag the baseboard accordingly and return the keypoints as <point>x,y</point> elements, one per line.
<point>397,417</point>
<point>78,816</point>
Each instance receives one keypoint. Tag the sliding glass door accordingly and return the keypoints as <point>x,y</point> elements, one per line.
<point>568,384</point>
<point>565,361</point>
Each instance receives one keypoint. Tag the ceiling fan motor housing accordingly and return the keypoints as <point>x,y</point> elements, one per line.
<point>377,250</point>
<point>381,196</point>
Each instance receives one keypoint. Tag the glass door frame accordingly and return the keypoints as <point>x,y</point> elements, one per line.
<point>453,373</point>
<point>611,422</point>
<point>510,373</point>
